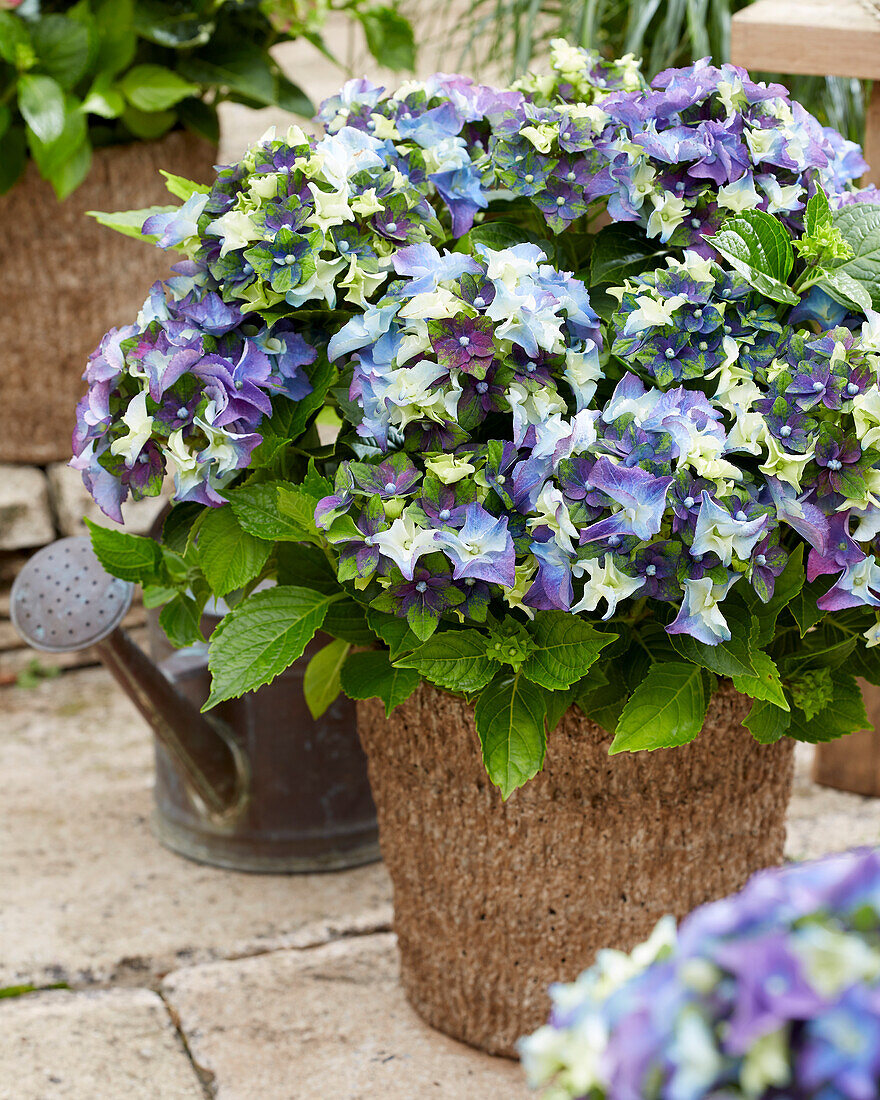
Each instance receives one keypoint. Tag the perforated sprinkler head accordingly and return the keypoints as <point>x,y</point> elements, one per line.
<point>64,599</point>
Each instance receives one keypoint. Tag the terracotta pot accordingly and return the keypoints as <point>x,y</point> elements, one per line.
<point>493,901</point>
<point>68,280</point>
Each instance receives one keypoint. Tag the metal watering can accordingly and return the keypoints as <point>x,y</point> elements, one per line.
<point>257,784</point>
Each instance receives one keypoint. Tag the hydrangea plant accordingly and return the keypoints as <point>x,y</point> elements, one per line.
<point>559,394</point>
<point>774,992</point>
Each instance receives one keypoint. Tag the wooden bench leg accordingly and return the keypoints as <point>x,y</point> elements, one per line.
<point>853,762</point>
<point>872,137</point>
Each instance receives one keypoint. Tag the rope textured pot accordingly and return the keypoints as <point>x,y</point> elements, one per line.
<point>495,900</point>
<point>73,279</point>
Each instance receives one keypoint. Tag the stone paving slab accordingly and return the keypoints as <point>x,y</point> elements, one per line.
<point>329,1022</point>
<point>88,895</point>
<point>105,1045</point>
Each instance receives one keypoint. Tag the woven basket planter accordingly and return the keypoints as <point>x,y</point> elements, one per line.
<point>494,901</point>
<point>68,280</point>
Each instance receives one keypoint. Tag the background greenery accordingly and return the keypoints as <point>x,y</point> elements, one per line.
<point>513,34</point>
<point>98,72</point>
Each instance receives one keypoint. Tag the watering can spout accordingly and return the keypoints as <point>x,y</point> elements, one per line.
<point>63,600</point>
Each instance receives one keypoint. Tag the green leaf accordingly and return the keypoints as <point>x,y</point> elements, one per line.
<point>819,651</point>
<point>499,234</point>
<point>766,722</point>
<point>803,606</point>
<point>321,683</point>
<point>558,704</point>
<point>201,118</point>
<point>151,88</point>
<point>175,26</point>
<point>103,99</point>
<point>509,716</point>
<point>307,566</point>
<point>70,173</point>
<point>393,631</point>
<point>667,708</point>
<point>622,251</point>
<point>181,620</point>
<point>817,214</point>
<point>243,70</point>
<point>566,647</point>
<point>371,675</point>
<point>41,102</point>
<point>453,659</point>
<point>183,188</point>
<point>346,619</point>
<point>290,97</point>
<point>300,509</point>
<point>148,125</point>
<point>15,41</point>
<point>261,637</point>
<point>62,46</point>
<point>845,289</point>
<point>229,556</point>
<point>604,703</point>
<point>859,224</point>
<point>290,419</point>
<point>130,222</point>
<point>729,658</point>
<point>117,41</point>
<point>765,684</point>
<point>178,524</point>
<point>257,510</point>
<point>389,37</point>
<point>130,557</point>
<point>756,245</point>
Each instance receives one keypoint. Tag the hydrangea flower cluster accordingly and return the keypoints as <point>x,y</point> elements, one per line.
<point>659,491</point>
<point>774,991</point>
<point>185,387</point>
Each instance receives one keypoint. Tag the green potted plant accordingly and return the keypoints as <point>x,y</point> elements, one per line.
<point>97,96</point>
<point>559,493</point>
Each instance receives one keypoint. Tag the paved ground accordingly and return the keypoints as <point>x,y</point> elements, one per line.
<point>186,981</point>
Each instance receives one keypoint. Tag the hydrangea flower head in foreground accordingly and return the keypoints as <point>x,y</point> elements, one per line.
<point>774,992</point>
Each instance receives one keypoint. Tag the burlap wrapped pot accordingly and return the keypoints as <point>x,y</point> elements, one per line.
<point>68,280</point>
<point>493,901</point>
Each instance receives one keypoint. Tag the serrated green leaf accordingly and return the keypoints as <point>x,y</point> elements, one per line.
<point>622,251</point>
<point>766,722</point>
<point>257,510</point>
<point>817,213</point>
<point>604,703</point>
<point>393,631</point>
<point>130,557</point>
<point>821,652</point>
<point>803,607</point>
<point>765,684</point>
<point>371,675</point>
<point>758,247</point>
<point>667,708</point>
<point>566,647</point>
<point>859,223</point>
<point>510,716</point>
<point>261,637</point>
<point>229,556</point>
<point>305,565</point>
<point>130,222</point>
<point>321,684</point>
<point>290,419</point>
<point>183,188</point>
<point>730,658</point>
<point>346,619</point>
<point>453,659</point>
<point>843,288</point>
<point>181,620</point>
<point>298,507</point>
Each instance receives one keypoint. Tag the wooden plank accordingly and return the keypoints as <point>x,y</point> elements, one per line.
<point>814,37</point>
